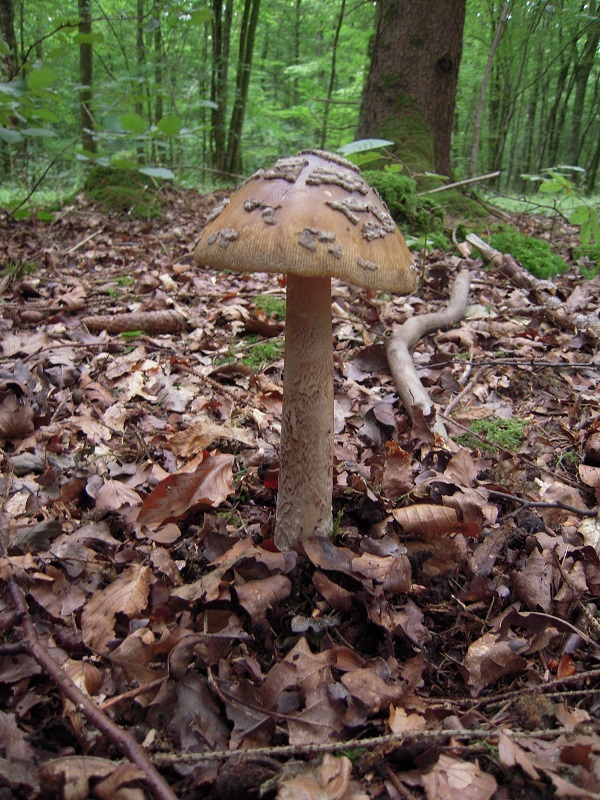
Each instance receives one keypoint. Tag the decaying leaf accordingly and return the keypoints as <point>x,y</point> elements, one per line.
<point>128,594</point>
<point>175,496</point>
<point>454,779</point>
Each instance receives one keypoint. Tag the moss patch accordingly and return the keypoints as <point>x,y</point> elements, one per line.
<point>534,255</point>
<point>500,434</point>
<point>124,191</point>
<point>590,255</point>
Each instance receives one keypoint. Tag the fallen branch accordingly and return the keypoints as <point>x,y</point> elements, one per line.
<point>33,645</point>
<point>404,338</point>
<point>552,308</point>
<point>151,322</point>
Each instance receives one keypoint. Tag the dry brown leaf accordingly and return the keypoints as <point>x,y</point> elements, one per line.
<point>199,435</point>
<point>453,779</point>
<point>329,780</point>
<point>512,755</point>
<point>489,658</point>
<point>127,595</point>
<point>427,520</point>
<point>373,692</point>
<point>401,722</point>
<point>258,596</point>
<point>181,492</point>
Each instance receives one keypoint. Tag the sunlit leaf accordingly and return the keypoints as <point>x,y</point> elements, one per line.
<point>42,77</point>
<point>170,125</point>
<point>200,16</point>
<point>135,123</point>
<point>88,38</point>
<point>363,144</point>
<point>157,172</point>
<point>39,133</point>
<point>10,136</point>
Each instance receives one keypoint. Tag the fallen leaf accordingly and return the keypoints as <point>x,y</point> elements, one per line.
<point>177,495</point>
<point>453,779</point>
<point>127,595</point>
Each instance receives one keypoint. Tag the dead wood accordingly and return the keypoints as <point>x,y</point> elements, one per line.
<point>151,322</point>
<point>552,308</point>
<point>119,737</point>
<point>401,341</point>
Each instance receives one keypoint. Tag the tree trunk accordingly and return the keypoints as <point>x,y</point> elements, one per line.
<point>233,163</point>
<point>484,83</point>
<point>332,73</point>
<point>140,53</point>
<point>222,16</point>
<point>9,62</point>
<point>86,78</point>
<point>410,91</point>
<point>582,70</point>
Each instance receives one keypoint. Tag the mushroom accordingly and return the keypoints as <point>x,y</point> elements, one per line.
<point>312,217</point>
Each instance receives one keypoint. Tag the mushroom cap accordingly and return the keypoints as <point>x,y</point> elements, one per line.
<point>312,215</point>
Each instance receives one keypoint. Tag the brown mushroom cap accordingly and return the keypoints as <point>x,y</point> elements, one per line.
<point>312,215</point>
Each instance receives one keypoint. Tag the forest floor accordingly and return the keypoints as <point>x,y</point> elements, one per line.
<point>444,644</point>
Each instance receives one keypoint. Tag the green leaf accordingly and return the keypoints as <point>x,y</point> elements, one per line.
<point>88,38</point>
<point>363,144</point>
<point>579,215</point>
<point>44,113</point>
<point>133,122</point>
<point>45,216</point>
<point>41,78</point>
<point>9,136</point>
<point>170,125</point>
<point>4,48</point>
<point>38,133</point>
<point>157,172</point>
<point>200,16</point>
<point>551,187</point>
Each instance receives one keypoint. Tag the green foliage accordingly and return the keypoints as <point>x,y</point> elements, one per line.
<point>534,255</point>
<point>568,199</point>
<point>503,434</point>
<point>124,191</point>
<point>418,216</point>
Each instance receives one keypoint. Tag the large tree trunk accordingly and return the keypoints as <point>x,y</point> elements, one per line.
<point>410,91</point>
<point>86,77</point>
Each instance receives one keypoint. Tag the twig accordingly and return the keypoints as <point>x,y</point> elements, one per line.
<point>459,183</point>
<point>82,242</point>
<point>403,339</point>
<point>113,701</point>
<point>416,735</point>
<point>119,737</point>
<point>582,512</point>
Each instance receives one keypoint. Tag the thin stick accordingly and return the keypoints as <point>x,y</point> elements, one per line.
<point>119,737</point>
<point>459,183</point>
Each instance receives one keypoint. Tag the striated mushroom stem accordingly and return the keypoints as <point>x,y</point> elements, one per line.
<point>306,449</point>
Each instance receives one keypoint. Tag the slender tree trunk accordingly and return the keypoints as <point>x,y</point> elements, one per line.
<point>140,58</point>
<point>332,73</point>
<point>8,62</point>
<point>410,91</point>
<point>158,65</point>
<point>221,24</point>
<point>233,163</point>
<point>484,84</point>
<point>86,77</point>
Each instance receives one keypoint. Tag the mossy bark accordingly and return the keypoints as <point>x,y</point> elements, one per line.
<point>411,88</point>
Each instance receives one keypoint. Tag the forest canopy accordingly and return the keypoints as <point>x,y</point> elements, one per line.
<point>203,91</point>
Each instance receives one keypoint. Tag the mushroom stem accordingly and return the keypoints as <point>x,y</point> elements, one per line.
<point>306,449</point>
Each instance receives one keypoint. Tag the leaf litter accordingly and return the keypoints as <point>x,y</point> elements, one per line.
<point>443,644</point>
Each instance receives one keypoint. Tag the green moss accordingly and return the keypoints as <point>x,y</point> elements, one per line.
<point>501,434</point>
<point>417,216</point>
<point>534,255</point>
<point>591,253</point>
<point>261,354</point>
<point>272,306</point>
<point>122,190</point>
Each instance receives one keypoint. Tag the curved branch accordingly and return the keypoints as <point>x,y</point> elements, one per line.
<point>403,339</point>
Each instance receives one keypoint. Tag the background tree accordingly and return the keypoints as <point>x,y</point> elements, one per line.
<point>86,75</point>
<point>411,87</point>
